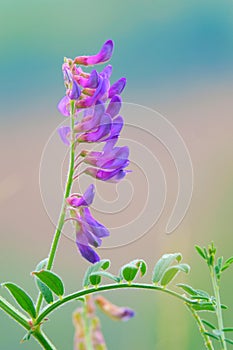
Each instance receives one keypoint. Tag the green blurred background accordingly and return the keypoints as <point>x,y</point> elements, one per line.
<point>178,59</point>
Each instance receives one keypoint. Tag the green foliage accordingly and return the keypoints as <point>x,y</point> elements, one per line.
<point>93,277</point>
<point>92,269</point>
<point>129,271</point>
<point>172,271</point>
<point>51,280</point>
<point>22,298</point>
<point>208,324</point>
<point>162,265</point>
<point>44,289</point>
<point>201,251</point>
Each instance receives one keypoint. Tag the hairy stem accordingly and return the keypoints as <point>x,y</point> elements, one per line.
<point>107,287</point>
<point>62,216</point>
<point>207,341</point>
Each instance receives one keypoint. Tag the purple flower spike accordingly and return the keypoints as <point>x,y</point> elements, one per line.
<point>75,92</point>
<point>114,106</point>
<point>64,132</point>
<point>101,132</point>
<point>102,56</point>
<point>117,87</point>
<point>63,106</point>
<point>85,200</point>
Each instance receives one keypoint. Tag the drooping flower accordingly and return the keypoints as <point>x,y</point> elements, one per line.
<point>117,87</point>
<point>102,56</point>
<point>110,158</point>
<point>113,311</point>
<point>89,232</point>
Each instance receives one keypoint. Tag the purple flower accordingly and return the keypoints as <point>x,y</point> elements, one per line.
<point>64,132</point>
<point>110,158</point>
<point>117,125</point>
<point>113,311</point>
<point>75,92</point>
<point>85,200</point>
<point>106,72</point>
<point>91,119</point>
<point>98,134</point>
<point>91,81</point>
<point>102,56</point>
<point>89,233</point>
<point>99,94</point>
<point>64,106</point>
<point>117,87</point>
<point>111,176</point>
<point>114,106</point>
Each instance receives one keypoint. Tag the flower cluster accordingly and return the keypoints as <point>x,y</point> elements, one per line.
<point>97,104</point>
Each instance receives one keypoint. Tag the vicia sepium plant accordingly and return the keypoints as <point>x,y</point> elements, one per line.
<point>92,105</point>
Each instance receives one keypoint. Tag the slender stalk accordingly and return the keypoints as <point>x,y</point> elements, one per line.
<point>14,313</point>
<point>207,341</point>
<point>107,287</point>
<point>62,216</point>
<point>218,307</point>
<point>87,327</point>
<point>67,193</point>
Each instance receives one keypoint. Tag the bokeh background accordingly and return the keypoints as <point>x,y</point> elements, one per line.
<point>177,57</point>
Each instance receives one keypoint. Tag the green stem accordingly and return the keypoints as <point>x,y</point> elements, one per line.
<point>24,322</point>
<point>107,287</point>
<point>43,340</point>
<point>218,307</point>
<point>207,341</point>
<point>87,327</point>
<point>14,313</point>
<point>62,216</point>
<point>69,183</point>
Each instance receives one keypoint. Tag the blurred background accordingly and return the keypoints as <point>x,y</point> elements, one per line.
<point>178,59</point>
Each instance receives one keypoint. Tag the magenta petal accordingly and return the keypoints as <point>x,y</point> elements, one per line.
<point>64,132</point>
<point>100,91</point>
<point>106,72</point>
<point>102,56</point>
<point>117,87</point>
<point>63,106</point>
<point>85,200</point>
<point>91,82</point>
<point>114,106</point>
<point>88,253</point>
